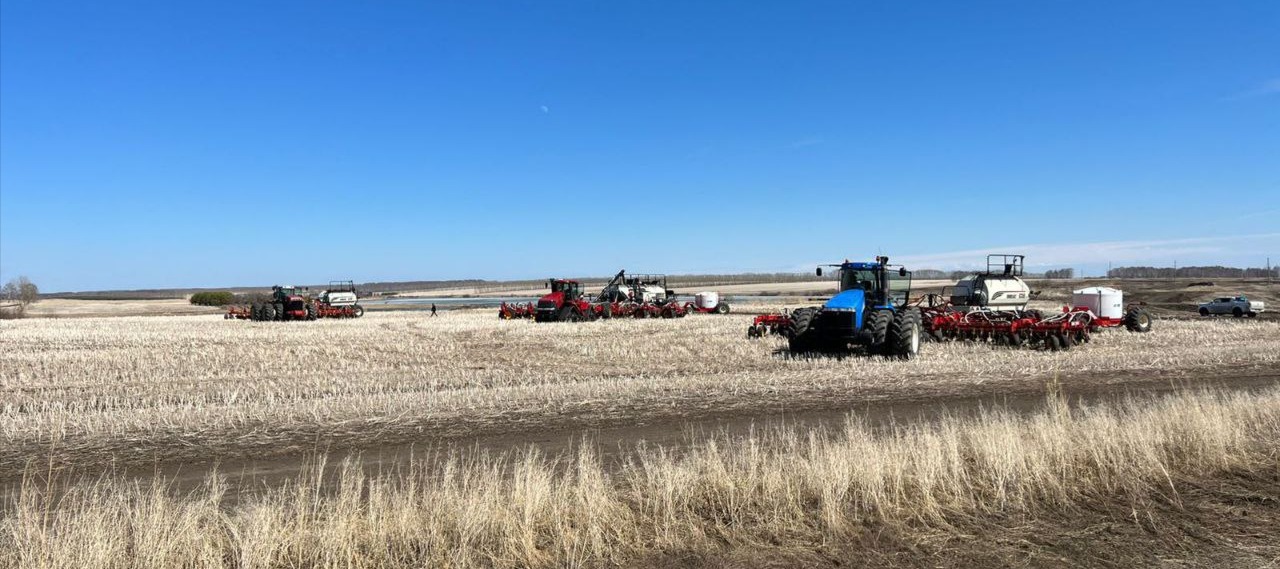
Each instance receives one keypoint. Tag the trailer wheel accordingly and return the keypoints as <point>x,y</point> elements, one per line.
<point>1137,320</point>
<point>1051,341</point>
<point>722,308</point>
<point>1066,341</point>
<point>903,340</point>
<point>357,311</point>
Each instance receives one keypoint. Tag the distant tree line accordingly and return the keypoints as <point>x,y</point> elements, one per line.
<point>1067,273</point>
<point>213,298</point>
<point>1190,272</point>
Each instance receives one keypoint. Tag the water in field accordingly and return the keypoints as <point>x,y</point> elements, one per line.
<point>492,301</point>
<point>450,302</point>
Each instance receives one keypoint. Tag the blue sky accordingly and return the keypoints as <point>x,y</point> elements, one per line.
<point>168,144</point>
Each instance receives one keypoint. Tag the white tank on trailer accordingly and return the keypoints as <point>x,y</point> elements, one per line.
<point>706,300</point>
<point>1103,301</point>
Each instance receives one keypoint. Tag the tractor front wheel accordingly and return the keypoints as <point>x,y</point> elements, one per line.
<point>800,337</point>
<point>357,311</point>
<point>878,325</point>
<point>903,340</point>
<point>268,312</point>
<point>311,312</point>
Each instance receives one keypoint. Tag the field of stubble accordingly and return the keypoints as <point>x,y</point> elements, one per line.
<point>120,390</point>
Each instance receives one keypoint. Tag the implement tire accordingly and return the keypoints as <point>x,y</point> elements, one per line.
<point>802,337</point>
<point>1137,320</point>
<point>903,340</point>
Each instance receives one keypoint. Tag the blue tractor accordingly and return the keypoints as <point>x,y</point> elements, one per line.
<point>871,311</point>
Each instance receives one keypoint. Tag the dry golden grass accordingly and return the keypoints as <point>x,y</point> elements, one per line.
<point>125,389</point>
<point>955,493</point>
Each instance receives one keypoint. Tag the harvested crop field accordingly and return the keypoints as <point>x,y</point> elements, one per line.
<point>141,390</point>
<point>170,400</point>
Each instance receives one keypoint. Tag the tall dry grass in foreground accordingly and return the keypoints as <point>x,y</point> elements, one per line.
<point>120,390</point>
<point>935,487</point>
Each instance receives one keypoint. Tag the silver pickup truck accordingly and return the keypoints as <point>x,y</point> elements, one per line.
<point>1236,306</point>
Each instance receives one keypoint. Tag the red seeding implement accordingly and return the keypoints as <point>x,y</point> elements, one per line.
<point>516,311</point>
<point>288,303</point>
<point>766,324</point>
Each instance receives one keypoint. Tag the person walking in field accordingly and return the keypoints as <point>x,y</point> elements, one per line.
<point>433,310</point>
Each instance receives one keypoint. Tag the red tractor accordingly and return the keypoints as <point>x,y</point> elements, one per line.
<point>564,303</point>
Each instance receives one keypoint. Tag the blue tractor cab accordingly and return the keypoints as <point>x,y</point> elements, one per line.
<point>870,311</point>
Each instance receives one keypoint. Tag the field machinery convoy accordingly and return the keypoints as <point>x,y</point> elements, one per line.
<point>624,296</point>
<point>873,310</point>
<point>339,300</point>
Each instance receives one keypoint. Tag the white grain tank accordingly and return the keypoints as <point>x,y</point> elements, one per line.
<point>706,300</point>
<point>338,297</point>
<point>1103,301</point>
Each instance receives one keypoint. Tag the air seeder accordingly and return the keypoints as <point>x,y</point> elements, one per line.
<point>339,300</point>
<point>991,306</point>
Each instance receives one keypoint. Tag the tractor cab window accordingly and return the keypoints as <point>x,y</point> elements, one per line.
<point>899,287</point>
<point>864,279</point>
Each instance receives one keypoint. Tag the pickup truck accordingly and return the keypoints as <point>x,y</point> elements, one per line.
<point>1235,306</point>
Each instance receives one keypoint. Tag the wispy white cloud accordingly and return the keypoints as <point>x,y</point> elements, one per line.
<point>1189,250</point>
<point>1268,87</point>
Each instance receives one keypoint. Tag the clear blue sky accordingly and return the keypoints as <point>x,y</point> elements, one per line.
<point>167,144</point>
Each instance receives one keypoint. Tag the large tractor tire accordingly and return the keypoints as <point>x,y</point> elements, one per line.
<point>877,323</point>
<point>311,312</point>
<point>268,312</point>
<point>903,340</point>
<point>802,337</point>
<point>279,311</point>
<point>357,311</point>
<point>1137,320</point>
<point>570,314</point>
<point>255,312</point>
<point>722,308</point>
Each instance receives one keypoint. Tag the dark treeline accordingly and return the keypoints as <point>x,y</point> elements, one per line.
<point>1190,272</point>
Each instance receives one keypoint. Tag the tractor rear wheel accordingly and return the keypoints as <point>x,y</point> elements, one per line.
<point>255,312</point>
<point>722,308</point>
<point>279,311</point>
<point>311,312</point>
<point>268,312</point>
<point>1137,320</point>
<point>903,340</point>
<point>801,336</point>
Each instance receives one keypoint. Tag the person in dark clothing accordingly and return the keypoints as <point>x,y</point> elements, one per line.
<point>433,309</point>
